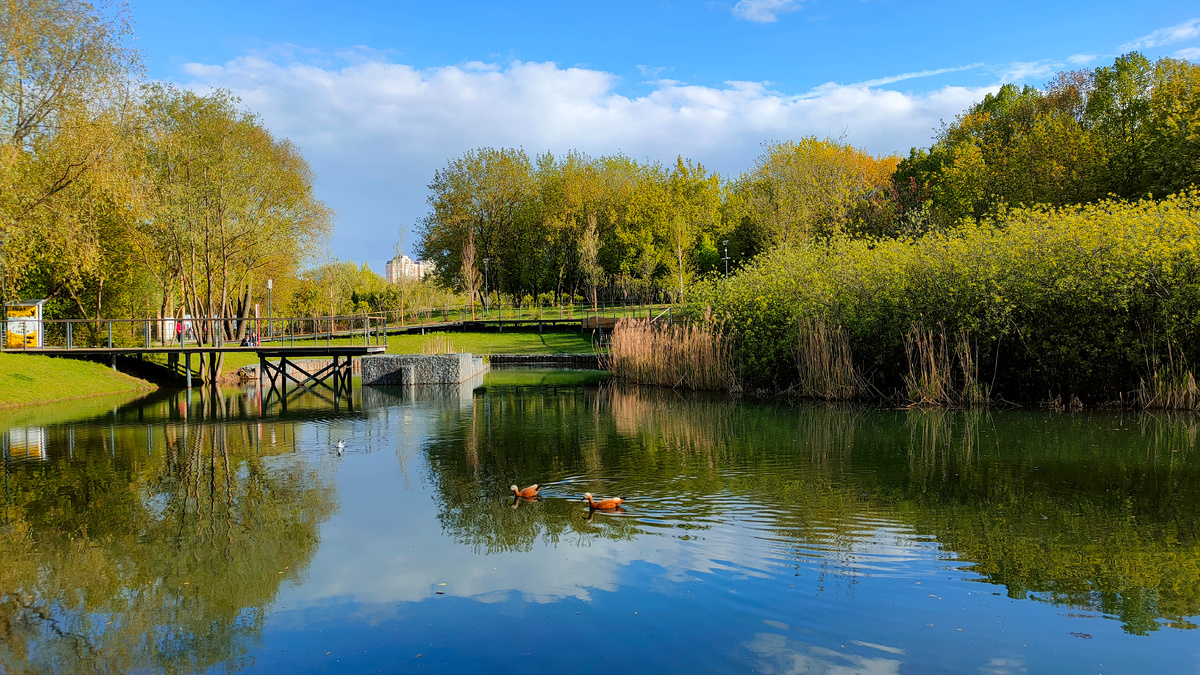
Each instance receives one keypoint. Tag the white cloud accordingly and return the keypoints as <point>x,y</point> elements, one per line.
<point>1191,53</point>
<point>1019,71</point>
<point>1081,59</point>
<point>780,655</point>
<point>764,11</point>
<point>879,81</point>
<point>1165,36</point>
<point>375,131</point>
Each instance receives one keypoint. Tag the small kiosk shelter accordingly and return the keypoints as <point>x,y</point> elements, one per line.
<point>23,325</point>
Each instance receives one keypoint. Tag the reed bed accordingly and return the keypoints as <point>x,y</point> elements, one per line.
<point>1170,385</point>
<point>942,371</point>
<point>682,357</point>
<point>438,344</point>
<point>825,363</point>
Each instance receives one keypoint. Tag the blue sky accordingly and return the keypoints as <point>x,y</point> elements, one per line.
<point>379,95</point>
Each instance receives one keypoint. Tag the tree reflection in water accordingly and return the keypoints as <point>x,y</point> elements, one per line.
<point>153,547</point>
<point>1097,512</point>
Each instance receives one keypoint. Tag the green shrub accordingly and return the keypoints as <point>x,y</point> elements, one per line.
<point>1058,301</point>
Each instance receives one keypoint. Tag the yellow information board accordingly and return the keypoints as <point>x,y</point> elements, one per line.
<point>23,330</point>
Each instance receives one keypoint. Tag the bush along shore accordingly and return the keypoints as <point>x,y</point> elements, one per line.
<point>1092,304</point>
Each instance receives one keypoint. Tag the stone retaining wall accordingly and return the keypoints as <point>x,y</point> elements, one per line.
<point>572,360</point>
<point>421,368</point>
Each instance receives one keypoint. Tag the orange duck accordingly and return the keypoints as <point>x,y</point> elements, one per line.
<point>530,492</point>
<point>602,504</point>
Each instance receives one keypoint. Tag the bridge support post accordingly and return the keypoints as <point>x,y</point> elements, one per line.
<point>283,376</point>
<point>337,383</point>
<point>188,368</point>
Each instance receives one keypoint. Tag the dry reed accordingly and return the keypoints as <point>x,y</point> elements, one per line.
<point>825,363</point>
<point>1169,386</point>
<point>932,378</point>
<point>438,344</point>
<point>688,356</point>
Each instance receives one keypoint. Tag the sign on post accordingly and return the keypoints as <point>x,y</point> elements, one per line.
<point>23,329</point>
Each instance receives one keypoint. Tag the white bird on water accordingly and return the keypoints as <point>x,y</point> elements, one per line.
<point>341,447</point>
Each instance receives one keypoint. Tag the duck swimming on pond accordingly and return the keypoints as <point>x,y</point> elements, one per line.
<point>602,504</point>
<point>341,446</point>
<point>530,492</point>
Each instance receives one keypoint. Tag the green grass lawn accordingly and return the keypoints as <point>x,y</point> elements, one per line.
<point>26,380</point>
<point>475,343</point>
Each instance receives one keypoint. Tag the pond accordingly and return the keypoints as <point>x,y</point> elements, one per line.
<point>212,534</point>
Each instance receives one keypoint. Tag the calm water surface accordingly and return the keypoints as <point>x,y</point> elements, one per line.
<point>213,535</point>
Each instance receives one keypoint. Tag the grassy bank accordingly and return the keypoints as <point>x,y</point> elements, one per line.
<point>27,380</point>
<point>475,343</point>
<point>1035,305</point>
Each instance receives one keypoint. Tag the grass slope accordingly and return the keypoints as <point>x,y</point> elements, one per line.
<point>26,380</point>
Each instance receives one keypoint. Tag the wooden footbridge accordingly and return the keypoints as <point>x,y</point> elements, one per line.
<point>277,343</point>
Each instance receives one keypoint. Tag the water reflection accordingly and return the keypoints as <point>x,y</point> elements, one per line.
<point>1093,512</point>
<point>188,534</point>
<point>154,545</point>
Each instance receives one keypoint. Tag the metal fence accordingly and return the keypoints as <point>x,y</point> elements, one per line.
<point>364,329</point>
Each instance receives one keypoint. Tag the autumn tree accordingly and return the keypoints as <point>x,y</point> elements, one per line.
<point>803,189</point>
<point>229,202</point>
<point>65,72</point>
<point>589,262</point>
<point>469,272</point>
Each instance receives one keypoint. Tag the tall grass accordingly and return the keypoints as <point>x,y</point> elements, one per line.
<point>825,363</point>
<point>690,356</point>
<point>1170,385</point>
<point>933,378</point>
<point>438,344</point>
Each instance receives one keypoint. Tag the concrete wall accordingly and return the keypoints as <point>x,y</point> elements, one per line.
<point>421,368</point>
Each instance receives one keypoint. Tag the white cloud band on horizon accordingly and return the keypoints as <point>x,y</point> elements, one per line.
<point>376,131</point>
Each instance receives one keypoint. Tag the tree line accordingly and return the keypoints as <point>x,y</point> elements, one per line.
<point>557,227</point>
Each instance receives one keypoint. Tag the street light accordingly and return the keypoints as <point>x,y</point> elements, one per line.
<point>3,290</point>
<point>270,285</point>
<point>726,258</point>
<point>486,297</point>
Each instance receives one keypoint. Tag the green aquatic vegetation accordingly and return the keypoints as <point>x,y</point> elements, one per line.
<point>1061,301</point>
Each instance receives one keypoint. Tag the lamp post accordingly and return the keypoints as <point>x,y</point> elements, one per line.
<point>726,258</point>
<point>3,290</point>
<point>270,285</point>
<point>486,293</point>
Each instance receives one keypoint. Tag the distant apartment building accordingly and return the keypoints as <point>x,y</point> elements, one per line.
<point>403,267</point>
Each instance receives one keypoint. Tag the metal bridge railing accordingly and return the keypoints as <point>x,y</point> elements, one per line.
<point>190,333</point>
<point>367,328</point>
